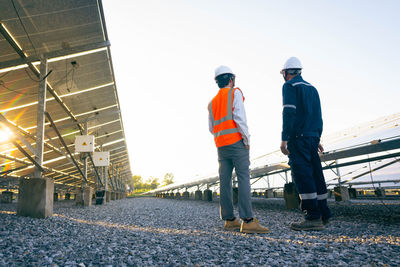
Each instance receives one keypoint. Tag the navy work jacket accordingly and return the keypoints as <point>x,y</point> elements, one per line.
<point>301,109</point>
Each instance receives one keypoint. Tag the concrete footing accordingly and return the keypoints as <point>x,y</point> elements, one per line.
<point>269,193</point>
<point>291,196</point>
<point>185,195</point>
<point>352,193</point>
<point>6,197</point>
<point>235,195</point>
<point>35,197</point>
<point>100,197</point>
<point>113,195</point>
<point>108,196</point>
<point>198,195</point>
<point>341,193</point>
<point>380,192</point>
<point>207,195</point>
<point>87,194</point>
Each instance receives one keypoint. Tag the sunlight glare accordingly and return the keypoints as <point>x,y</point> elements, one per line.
<point>5,134</point>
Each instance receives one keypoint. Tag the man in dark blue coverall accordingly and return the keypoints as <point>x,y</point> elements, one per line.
<point>302,129</point>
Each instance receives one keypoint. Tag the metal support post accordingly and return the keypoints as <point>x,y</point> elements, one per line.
<point>286,177</point>
<point>112,177</point>
<point>338,173</point>
<point>106,178</point>
<point>99,178</point>
<point>85,162</point>
<point>119,179</point>
<point>40,116</point>
<point>85,168</point>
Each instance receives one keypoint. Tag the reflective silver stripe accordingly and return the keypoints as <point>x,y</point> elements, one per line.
<point>289,106</point>
<point>229,110</point>
<point>322,197</point>
<point>224,132</point>
<point>211,113</point>
<point>301,83</point>
<point>226,118</point>
<point>308,196</point>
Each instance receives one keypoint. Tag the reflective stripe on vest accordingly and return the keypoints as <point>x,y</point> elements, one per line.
<point>228,131</point>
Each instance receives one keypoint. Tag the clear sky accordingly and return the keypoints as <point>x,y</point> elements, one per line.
<point>165,54</point>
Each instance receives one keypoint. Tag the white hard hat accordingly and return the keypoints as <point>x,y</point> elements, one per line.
<point>292,63</point>
<point>222,70</point>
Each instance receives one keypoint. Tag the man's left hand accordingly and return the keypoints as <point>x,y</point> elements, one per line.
<point>284,149</point>
<point>320,148</point>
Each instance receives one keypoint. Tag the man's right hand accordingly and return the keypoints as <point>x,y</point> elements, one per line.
<point>284,149</point>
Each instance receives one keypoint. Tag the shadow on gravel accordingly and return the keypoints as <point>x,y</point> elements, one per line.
<point>228,235</point>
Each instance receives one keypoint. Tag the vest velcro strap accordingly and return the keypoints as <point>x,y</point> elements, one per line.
<point>227,131</point>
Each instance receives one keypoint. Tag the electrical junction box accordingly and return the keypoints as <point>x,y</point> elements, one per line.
<point>101,158</point>
<point>84,143</point>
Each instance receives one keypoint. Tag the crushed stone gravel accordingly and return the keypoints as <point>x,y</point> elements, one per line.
<point>167,232</point>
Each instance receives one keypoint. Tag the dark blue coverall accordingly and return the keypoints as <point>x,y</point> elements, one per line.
<point>302,128</point>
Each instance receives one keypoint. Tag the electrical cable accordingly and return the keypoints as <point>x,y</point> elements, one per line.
<point>23,26</point>
<point>30,77</point>
<point>66,76</point>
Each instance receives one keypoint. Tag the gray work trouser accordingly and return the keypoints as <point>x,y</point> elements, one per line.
<point>229,157</point>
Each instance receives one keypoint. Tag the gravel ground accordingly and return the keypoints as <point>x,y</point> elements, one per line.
<point>167,232</point>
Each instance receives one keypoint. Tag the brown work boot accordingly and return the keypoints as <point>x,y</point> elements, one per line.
<point>232,225</point>
<point>307,225</point>
<point>253,227</point>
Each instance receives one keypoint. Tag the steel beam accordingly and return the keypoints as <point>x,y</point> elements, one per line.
<point>38,166</point>
<point>15,131</point>
<point>378,146</point>
<point>65,145</point>
<point>26,133</point>
<point>370,171</point>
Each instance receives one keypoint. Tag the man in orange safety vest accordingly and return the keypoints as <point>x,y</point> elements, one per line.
<point>228,124</point>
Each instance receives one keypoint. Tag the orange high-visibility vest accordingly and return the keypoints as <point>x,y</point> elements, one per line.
<point>224,127</point>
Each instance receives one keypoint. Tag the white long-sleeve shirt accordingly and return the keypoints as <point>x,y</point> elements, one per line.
<point>239,116</point>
